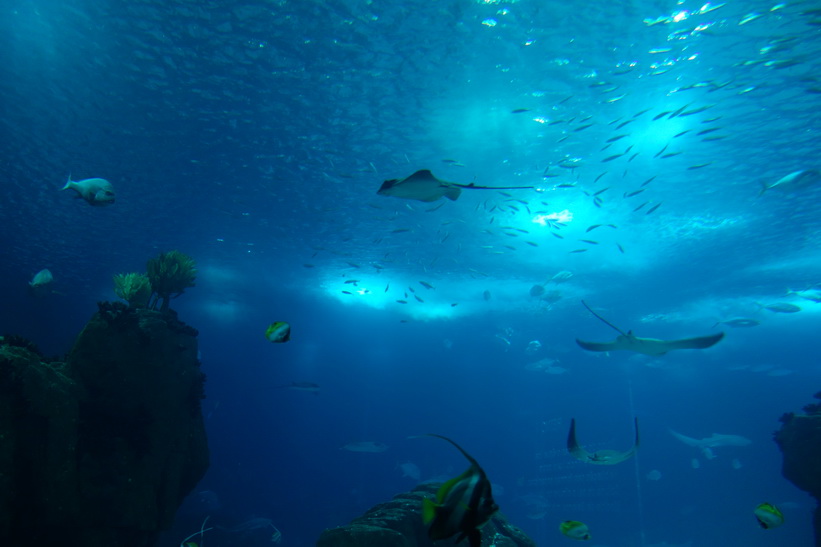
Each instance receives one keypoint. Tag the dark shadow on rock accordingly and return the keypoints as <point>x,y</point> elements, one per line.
<point>101,449</point>
<point>800,442</point>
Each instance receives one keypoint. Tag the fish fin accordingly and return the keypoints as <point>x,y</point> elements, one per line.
<point>453,193</point>
<point>422,173</point>
<point>428,510</point>
<point>573,444</point>
<point>445,489</point>
<point>475,187</point>
<point>596,346</point>
<point>700,342</point>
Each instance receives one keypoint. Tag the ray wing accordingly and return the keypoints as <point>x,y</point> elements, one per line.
<point>601,457</point>
<point>573,445</point>
<point>599,346</point>
<point>699,342</point>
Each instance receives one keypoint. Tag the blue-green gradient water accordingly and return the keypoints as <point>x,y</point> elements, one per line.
<point>253,136</point>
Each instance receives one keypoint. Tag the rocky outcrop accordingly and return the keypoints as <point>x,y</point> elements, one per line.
<point>398,523</point>
<point>101,449</point>
<point>800,442</point>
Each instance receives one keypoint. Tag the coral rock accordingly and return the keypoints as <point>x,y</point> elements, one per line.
<point>800,442</point>
<point>398,523</point>
<point>102,449</point>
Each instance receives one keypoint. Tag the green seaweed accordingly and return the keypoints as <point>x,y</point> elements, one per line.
<point>134,288</point>
<point>170,274</point>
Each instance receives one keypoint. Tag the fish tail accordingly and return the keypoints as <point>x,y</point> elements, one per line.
<point>428,510</point>
<point>68,183</point>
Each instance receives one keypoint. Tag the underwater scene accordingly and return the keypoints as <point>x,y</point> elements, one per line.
<point>418,272</point>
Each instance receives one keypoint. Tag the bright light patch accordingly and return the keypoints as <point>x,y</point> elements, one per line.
<point>680,16</point>
<point>662,133</point>
<point>564,217</point>
<point>489,22</point>
<point>223,311</point>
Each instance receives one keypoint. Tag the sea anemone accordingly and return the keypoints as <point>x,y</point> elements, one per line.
<point>170,274</point>
<point>134,288</point>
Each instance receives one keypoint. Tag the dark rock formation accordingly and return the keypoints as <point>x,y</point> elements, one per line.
<point>398,523</point>
<point>800,442</point>
<point>101,450</point>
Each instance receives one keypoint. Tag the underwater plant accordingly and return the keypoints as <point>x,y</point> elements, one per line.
<point>200,532</point>
<point>170,274</point>
<point>134,288</point>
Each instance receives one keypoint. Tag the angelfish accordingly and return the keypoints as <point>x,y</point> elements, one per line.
<point>463,504</point>
<point>768,516</point>
<point>423,186</point>
<point>97,192</point>
<point>278,332</point>
<point>575,529</point>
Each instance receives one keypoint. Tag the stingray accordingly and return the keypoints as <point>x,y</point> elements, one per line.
<point>648,346</point>
<point>423,186</point>
<point>600,457</point>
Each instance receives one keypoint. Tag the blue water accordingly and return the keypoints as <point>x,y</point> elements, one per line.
<point>253,136</point>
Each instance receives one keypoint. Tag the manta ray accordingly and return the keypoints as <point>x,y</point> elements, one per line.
<point>648,346</point>
<point>600,457</point>
<point>423,186</point>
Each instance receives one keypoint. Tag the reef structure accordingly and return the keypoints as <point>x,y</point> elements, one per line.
<point>101,449</point>
<point>800,442</point>
<point>398,523</point>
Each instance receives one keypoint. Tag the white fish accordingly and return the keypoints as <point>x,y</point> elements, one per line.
<point>532,347</point>
<point>41,278</point>
<point>40,284</point>
<point>546,365</point>
<point>562,276</point>
<point>410,470</point>
<point>794,181</point>
<point>811,295</point>
<point>97,192</point>
<point>783,307</point>
<point>365,446</point>
<point>713,441</point>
